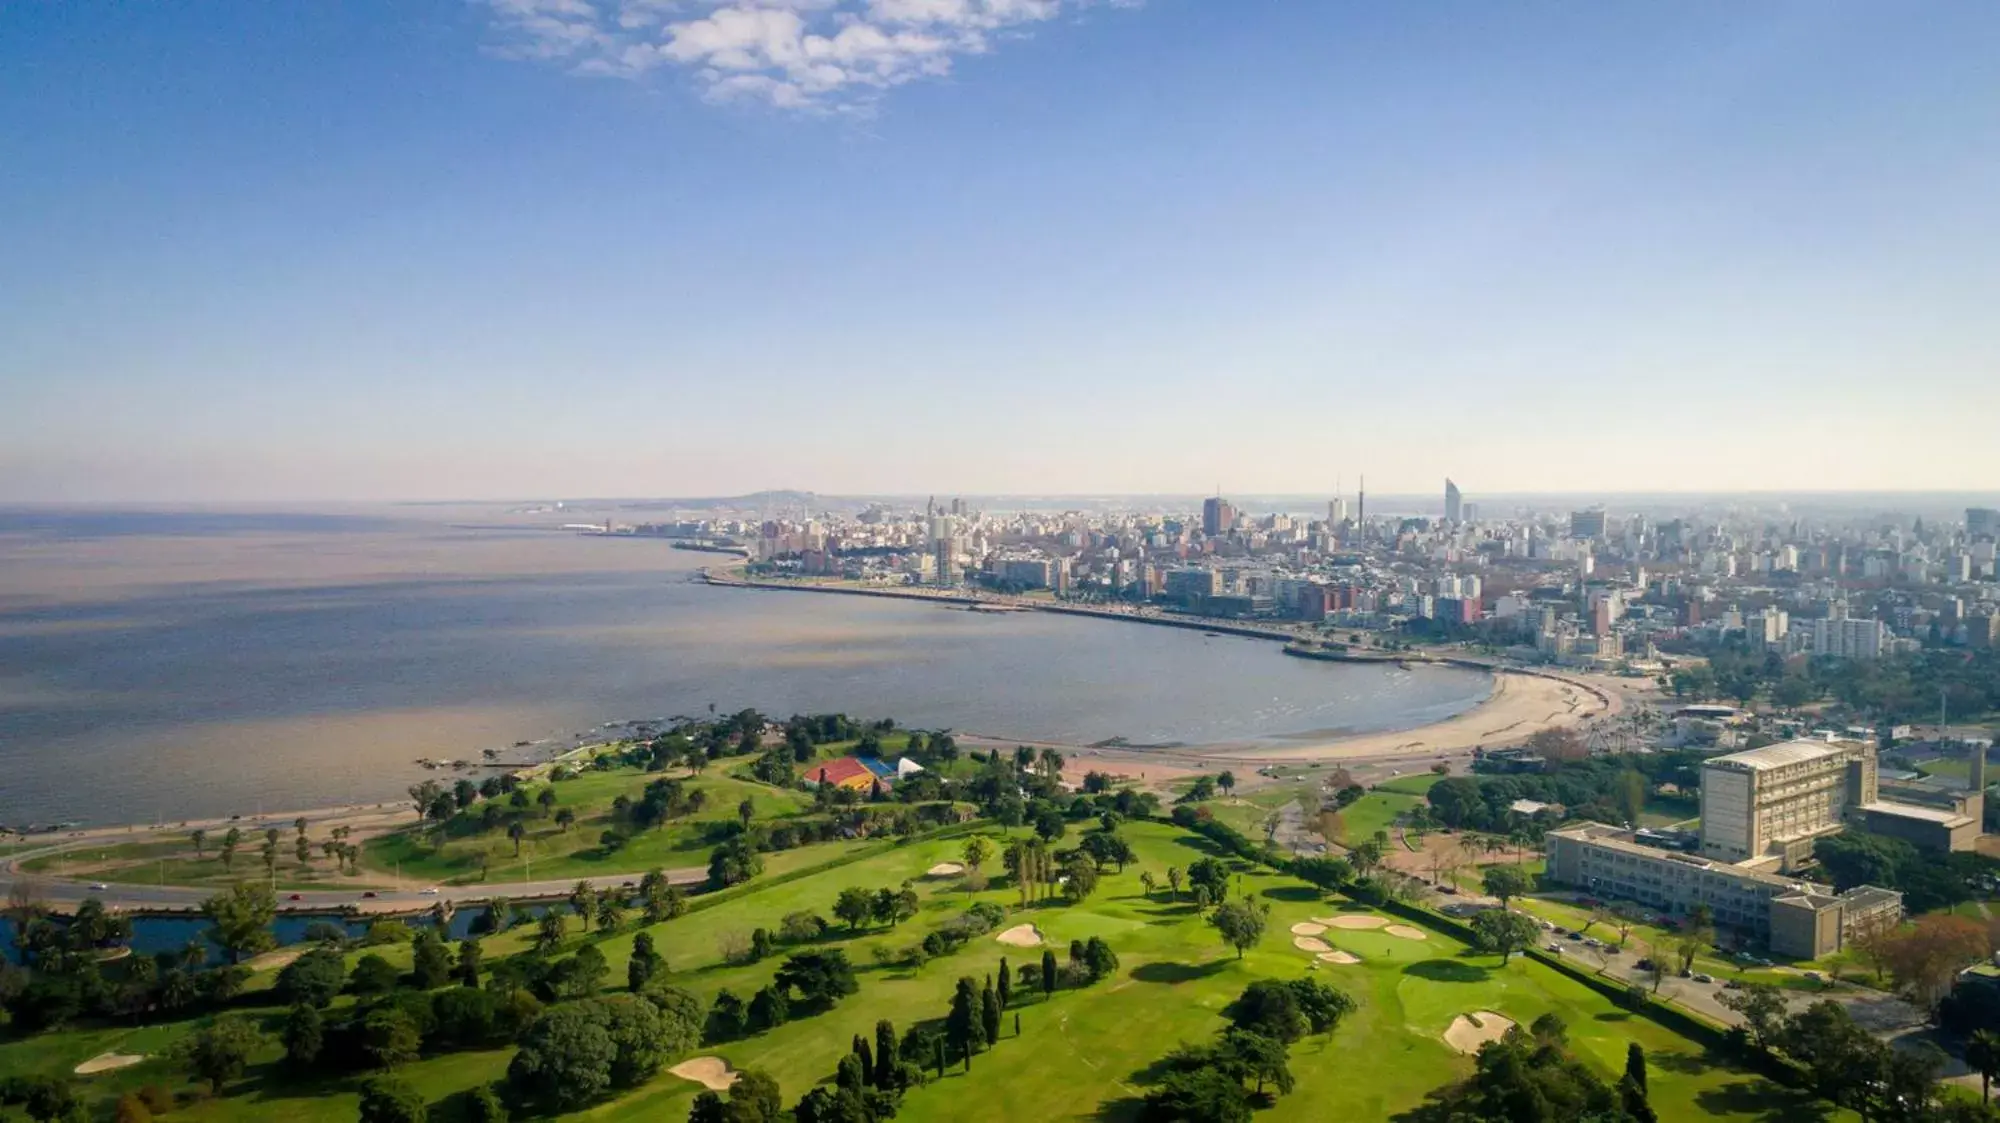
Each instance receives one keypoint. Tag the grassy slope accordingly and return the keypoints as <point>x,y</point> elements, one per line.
<point>1083,1048</point>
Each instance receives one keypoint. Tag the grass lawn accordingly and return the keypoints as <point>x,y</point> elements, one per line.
<point>470,855</point>
<point>1373,812</point>
<point>1084,1051</point>
<point>1415,784</point>
<point>169,859</point>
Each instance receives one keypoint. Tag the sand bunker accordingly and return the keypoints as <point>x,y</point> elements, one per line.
<point>1351,921</point>
<point>712,1073</point>
<point>1338,956</point>
<point>1305,929</point>
<point>945,869</point>
<point>1021,936</point>
<point>1469,1031</point>
<point>1405,932</point>
<point>1311,943</point>
<point>106,1062</point>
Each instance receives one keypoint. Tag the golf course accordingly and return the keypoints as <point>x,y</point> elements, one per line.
<point>1081,1053</point>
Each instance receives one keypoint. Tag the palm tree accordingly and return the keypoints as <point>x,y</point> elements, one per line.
<point>1174,882</point>
<point>565,817</point>
<point>516,832</point>
<point>299,825</point>
<point>1982,1052</point>
<point>200,840</point>
<point>1147,883</point>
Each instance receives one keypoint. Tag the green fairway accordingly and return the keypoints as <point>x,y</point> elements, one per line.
<point>1373,812</point>
<point>1083,1051</point>
<point>1417,784</point>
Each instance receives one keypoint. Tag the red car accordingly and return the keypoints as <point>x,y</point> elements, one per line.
<point>295,897</point>
<point>368,896</point>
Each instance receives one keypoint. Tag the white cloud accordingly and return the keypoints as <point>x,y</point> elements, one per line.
<point>812,55</point>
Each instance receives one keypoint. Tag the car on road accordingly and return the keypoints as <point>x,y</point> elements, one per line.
<point>429,891</point>
<point>1704,978</point>
<point>1555,947</point>
<point>98,887</point>
<point>1644,965</point>
<point>296,897</point>
<point>368,896</point>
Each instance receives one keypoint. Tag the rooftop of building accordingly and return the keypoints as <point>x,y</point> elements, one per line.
<point>1869,896</point>
<point>1779,755</point>
<point>1944,816</point>
<point>1614,838</point>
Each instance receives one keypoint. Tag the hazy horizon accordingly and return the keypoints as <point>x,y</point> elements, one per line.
<point>431,248</point>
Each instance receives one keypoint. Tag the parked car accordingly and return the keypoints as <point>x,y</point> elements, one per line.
<point>1704,978</point>
<point>1644,965</point>
<point>1733,984</point>
<point>1555,947</point>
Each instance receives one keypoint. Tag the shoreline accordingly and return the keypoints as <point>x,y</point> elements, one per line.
<point>1523,701</point>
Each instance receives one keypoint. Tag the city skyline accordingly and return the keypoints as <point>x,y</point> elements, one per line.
<point>439,250</point>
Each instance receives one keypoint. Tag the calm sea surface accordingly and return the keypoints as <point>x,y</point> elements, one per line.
<point>170,667</point>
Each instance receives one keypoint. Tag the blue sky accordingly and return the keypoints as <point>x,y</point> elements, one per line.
<point>450,249</point>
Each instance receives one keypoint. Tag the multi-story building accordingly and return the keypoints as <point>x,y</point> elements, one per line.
<point>1775,800</point>
<point>1217,517</point>
<point>1587,524</point>
<point>1453,501</point>
<point>1982,522</point>
<point>1844,637</point>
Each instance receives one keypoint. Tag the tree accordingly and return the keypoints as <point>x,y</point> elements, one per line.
<point>853,906</point>
<point>644,964</point>
<point>200,840</point>
<point>385,1099</point>
<point>978,851</point>
<point>1241,924</point>
<point>583,901</point>
<point>1147,883</point>
<point>1268,1007</point>
<point>1049,972</point>
<point>989,1013</point>
<point>1322,1005</point>
<point>241,917</point>
<point>483,1105</point>
<point>1079,879</point>
<point>963,1026</point>
<point>516,832</point>
<point>565,818</point>
<point>1174,883</point>
<point>1982,1055</point>
<point>390,1037</point>
<point>549,932</point>
<point>430,962</point>
<point>373,975</point>
<point>1925,958</point>
<point>1762,1007</point>
<point>1504,882</point>
<point>1502,931</point>
<point>312,979</point>
<point>1203,1095</point>
<point>610,911</point>
<point>565,1057</point>
<point>768,1010</point>
<point>467,968</point>
<point>304,1036</point>
<point>218,1052</point>
<point>1227,782</point>
<point>231,839</point>
<point>423,795</point>
<point>1840,1059</point>
<point>821,977</point>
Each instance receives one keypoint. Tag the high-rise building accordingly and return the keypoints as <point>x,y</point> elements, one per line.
<point>1982,522</point>
<point>1587,524</point>
<point>1470,511</point>
<point>1453,502</point>
<point>1217,517</point>
<point>1336,511</point>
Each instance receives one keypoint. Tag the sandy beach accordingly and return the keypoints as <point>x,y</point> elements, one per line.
<point>1520,705</point>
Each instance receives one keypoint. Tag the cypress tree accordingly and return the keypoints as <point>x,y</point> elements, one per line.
<point>1048,972</point>
<point>1006,983</point>
<point>867,1059</point>
<point>989,1013</point>
<point>885,1053</point>
<point>1635,1065</point>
